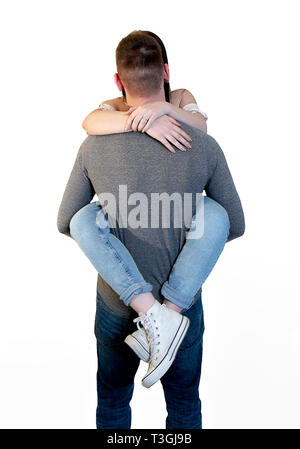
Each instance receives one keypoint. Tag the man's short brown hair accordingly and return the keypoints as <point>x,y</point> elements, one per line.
<point>140,63</point>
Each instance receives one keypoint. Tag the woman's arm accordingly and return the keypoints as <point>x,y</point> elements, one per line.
<point>142,117</point>
<point>196,119</point>
<point>109,118</point>
<point>100,122</point>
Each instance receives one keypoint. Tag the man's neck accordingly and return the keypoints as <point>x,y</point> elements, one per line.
<point>134,101</point>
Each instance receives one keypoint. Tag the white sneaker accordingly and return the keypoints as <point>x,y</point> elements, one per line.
<point>138,342</point>
<point>165,330</point>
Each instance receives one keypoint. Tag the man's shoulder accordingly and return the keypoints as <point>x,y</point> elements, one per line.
<point>208,142</point>
<point>116,139</point>
<point>98,140</point>
<point>110,145</point>
<point>134,140</point>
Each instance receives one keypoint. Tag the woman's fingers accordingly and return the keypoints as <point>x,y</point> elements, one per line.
<point>131,110</point>
<point>173,120</point>
<point>142,124</point>
<point>184,134</point>
<point>181,139</point>
<point>129,121</point>
<point>136,122</point>
<point>176,143</point>
<point>179,130</point>
<point>153,118</point>
<point>167,145</point>
<point>150,121</point>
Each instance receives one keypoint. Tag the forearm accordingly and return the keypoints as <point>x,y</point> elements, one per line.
<point>197,120</point>
<point>101,122</point>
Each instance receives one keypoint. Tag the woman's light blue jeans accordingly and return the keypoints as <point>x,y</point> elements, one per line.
<point>117,267</point>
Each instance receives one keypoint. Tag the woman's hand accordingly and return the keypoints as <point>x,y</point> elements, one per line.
<point>167,130</point>
<point>142,117</point>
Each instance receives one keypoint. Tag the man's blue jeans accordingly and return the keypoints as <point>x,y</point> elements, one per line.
<point>118,364</point>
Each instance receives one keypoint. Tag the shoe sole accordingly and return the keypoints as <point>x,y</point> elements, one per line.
<point>169,358</point>
<point>137,347</point>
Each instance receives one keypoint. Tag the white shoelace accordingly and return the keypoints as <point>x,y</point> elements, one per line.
<point>150,329</point>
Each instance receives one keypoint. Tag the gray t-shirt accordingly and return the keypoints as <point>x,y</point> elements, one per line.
<point>144,165</point>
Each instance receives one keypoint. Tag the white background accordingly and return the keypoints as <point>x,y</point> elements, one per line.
<point>241,61</point>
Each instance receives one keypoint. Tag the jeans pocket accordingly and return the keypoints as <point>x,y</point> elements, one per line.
<point>196,327</point>
<point>111,329</point>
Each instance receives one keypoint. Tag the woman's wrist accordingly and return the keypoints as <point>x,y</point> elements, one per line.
<point>171,110</point>
<point>167,108</point>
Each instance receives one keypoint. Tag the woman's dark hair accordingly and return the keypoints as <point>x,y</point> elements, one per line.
<point>165,59</point>
<point>167,88</point>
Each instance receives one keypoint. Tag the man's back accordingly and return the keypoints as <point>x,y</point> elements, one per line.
<point>142,177</point>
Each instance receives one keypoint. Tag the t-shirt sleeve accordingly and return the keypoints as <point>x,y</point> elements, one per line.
<point>221,188</point>
<point>78,193</point>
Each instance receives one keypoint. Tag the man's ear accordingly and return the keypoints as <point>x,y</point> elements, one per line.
<point>166,73</point>
<point>118,81</point>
